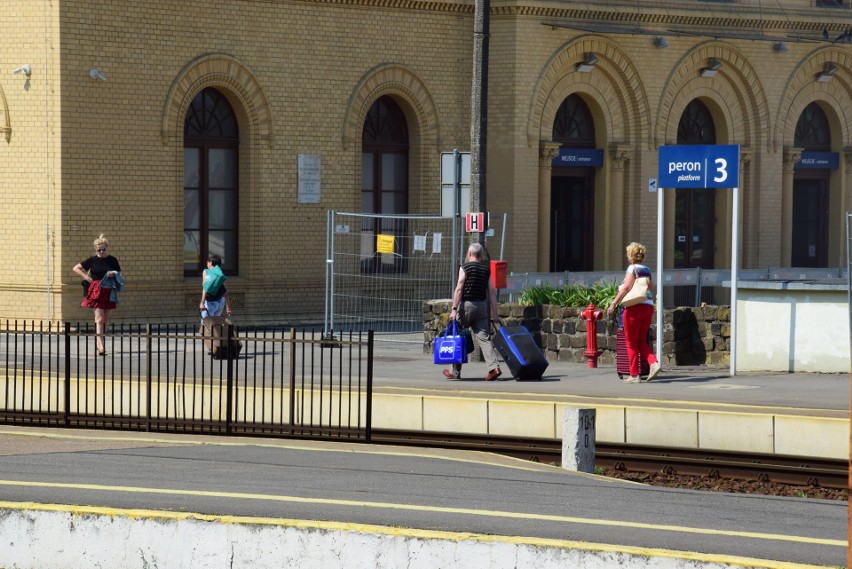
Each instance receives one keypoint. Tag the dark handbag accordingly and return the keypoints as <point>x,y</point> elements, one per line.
<point>468,339</point>
<point>450,347</point>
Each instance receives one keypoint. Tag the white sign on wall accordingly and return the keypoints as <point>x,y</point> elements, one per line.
<point>309,178</point>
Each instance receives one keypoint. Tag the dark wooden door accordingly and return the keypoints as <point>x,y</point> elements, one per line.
<point>572,223</point>
<point>810,223</point>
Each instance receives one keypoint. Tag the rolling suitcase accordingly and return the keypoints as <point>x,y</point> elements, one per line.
<point>212,329</point>
<point>522,355</point>
<point>622,365</point>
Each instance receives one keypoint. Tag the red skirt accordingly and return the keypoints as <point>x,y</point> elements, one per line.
<point>98,297</point>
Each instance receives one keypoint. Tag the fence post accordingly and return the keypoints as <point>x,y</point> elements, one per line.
<point>698,288</point>
<point>149,360</point>
<point>368,431</point>
<point>226,332</point>
<point>67,386</point>
<point>292,381</point>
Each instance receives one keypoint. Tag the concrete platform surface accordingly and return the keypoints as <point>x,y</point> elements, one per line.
<point>801,414</point>
<point>406,365</point>
<point>73,497</point>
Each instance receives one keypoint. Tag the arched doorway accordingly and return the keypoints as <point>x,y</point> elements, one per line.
<point>572,195</point>
<point>695,209</point>
<point>210,183</point>
<point>809,247</point>
<point>384,180</point>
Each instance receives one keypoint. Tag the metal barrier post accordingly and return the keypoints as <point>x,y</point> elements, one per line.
<point>368,427</point>
<point>67,386</point>
<point>698,289</point>
<point>149,360</point>
<point>226,332</point>
<point>293,380</point>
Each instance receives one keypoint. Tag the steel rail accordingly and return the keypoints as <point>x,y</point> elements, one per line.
<point>778,469</point>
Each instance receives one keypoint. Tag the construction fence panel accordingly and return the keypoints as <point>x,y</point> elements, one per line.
<point>380,269</point>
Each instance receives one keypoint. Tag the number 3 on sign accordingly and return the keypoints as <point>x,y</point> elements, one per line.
<point>721,170</point>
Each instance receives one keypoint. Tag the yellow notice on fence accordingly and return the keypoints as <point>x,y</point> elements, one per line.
<point>384,243</point>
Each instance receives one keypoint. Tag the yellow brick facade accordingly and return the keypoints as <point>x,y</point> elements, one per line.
<point>81,156</point>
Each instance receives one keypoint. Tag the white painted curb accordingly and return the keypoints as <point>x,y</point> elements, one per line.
<point>70,537</point>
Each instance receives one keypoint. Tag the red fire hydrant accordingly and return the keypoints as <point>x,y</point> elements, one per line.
<point>592,352</point>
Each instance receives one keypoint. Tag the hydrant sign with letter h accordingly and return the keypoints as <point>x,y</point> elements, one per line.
<point>474,222</point>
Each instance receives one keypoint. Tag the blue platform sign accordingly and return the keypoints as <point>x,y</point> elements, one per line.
<point>818,161</point>
<point>578,157</point>
<point>691,166</point>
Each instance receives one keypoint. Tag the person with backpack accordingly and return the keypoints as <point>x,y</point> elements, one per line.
<point>214,295</point>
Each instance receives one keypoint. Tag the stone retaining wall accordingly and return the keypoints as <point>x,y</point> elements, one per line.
<point>691,336</point>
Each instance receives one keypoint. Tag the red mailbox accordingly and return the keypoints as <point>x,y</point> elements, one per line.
<point>498,274</point>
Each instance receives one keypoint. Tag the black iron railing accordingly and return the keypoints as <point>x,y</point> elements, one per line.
<point>175,378</point>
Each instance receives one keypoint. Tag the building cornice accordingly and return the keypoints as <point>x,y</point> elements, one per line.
<point>716,20</point>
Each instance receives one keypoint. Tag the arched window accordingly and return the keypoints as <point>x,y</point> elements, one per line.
<point>210,184</point>
<point>812,130</point>
<point>696,125</point>
<point>384,159</point>
<point>384,181</point>
<point>574,125</point>
<point>695,209</point>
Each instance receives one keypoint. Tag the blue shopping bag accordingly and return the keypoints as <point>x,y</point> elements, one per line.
<point>450,347</point>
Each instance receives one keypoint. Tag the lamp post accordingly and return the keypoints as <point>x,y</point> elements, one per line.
<point>479,110</point>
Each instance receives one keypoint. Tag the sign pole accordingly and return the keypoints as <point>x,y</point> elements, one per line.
<point>660,288</point>
<point>734,264</point>
<point>694,166</point>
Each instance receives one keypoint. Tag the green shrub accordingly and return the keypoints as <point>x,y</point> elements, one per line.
<point>599,294</point>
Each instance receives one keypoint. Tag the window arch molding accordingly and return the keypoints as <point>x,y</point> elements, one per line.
<point>231,77</point>
<point>802,90</point>
<point>5,126</point>
<point>736,97</point>
<point>407,90</point>
<point>618,92</point>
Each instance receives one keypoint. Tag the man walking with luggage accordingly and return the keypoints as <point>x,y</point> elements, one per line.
<point>474,293</point>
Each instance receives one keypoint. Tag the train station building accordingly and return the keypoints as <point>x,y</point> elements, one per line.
<point>231,127</point>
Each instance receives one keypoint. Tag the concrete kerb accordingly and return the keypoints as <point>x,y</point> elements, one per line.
<point>69,537</point>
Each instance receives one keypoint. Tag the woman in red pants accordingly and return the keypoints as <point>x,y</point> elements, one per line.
<point>637,318</point>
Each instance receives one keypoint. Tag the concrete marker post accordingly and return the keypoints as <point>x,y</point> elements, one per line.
<point>578,440</point>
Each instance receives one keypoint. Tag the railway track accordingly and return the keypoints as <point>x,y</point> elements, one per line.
<point>779,469</point>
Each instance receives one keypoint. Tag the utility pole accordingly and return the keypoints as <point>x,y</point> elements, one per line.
<point>479,111</point>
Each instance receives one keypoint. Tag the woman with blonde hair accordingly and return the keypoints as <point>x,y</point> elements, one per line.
<point>637,318</point>
<point>97,267</point>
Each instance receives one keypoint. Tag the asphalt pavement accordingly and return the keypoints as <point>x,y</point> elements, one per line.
<point>407,488</point>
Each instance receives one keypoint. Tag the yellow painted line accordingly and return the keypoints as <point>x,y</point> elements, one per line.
<point>355,448</point>
<point>417,508</point>
<point>746,562</point>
